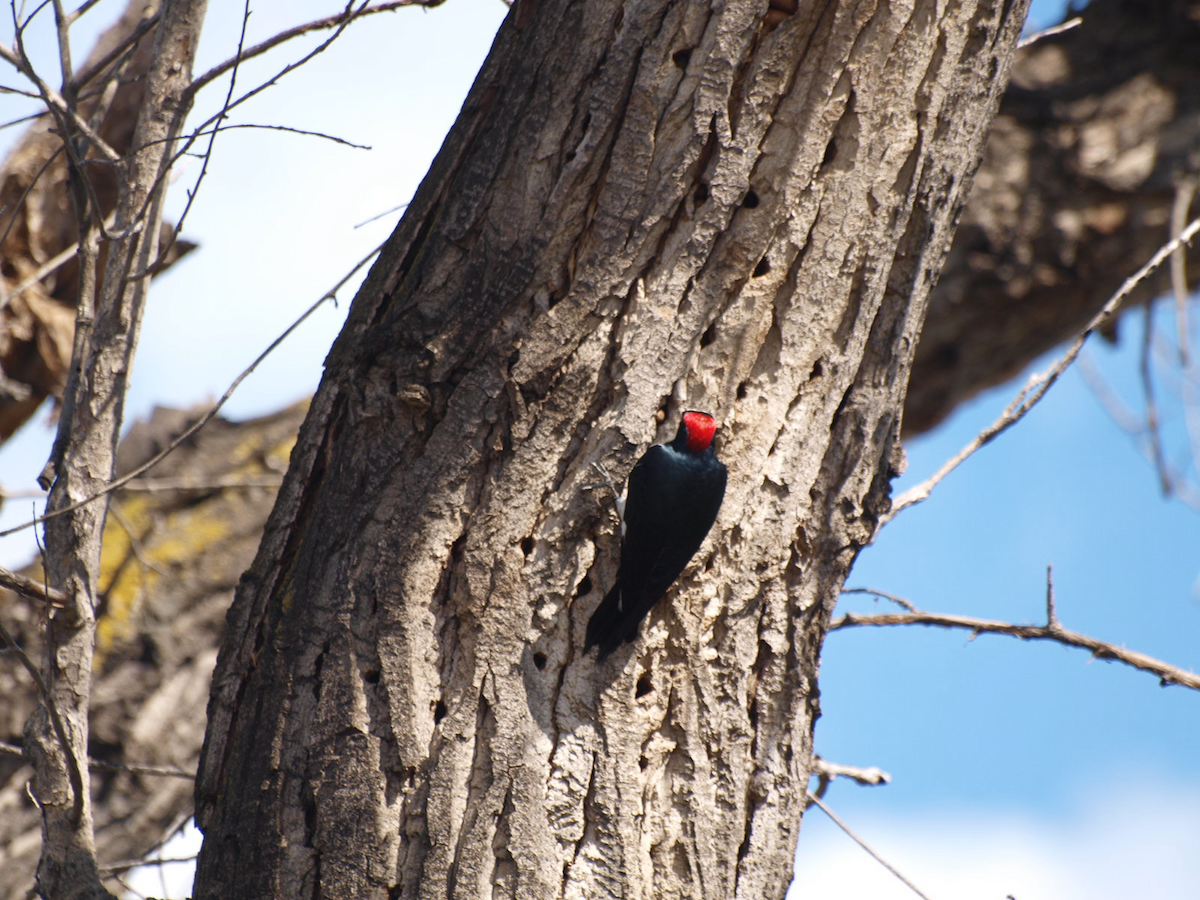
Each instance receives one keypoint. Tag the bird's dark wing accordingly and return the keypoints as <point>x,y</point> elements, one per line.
<point>666,520</point>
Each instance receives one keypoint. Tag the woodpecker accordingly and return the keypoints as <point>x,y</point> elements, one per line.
<point>674,493</point>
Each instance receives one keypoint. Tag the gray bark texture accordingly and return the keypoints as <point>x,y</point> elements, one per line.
<point>644,207</point>
<point>112,291</point>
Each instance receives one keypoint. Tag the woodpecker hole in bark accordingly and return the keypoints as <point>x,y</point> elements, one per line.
<point>643,685</point>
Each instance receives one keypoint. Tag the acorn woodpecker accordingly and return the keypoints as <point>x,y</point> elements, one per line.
<point>674,493</point>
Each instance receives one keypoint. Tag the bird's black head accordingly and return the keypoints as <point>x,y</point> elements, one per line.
<point>696,431</point>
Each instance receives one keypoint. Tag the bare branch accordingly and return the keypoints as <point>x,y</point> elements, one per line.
<point>1153,434</point>
<point>827,771</point>
<point>63,26</point>
<point>21,202</point>
<point>110,309</point>
<point>814,799</point>
<point>124,480</point>
<point>124,47</point>
<point>290,130</point>
<point>1049,32</point>
<point>59,106</point>
<point>899,601</point>
<point>28,587</point>
<point>79,13</point>
<point>339,21</point>
<point>98,765</point>
<point>1166,673</point>
<point>1037,385</point>
<point>1184,192</point>
<point>51,265</point>
<point>155,485</point>
<point>126,865</point>
<point>1051,616</point>
<point>156,771</point>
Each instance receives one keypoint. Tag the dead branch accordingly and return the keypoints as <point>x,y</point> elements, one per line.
<point>813,799</point>
<point>1052,631</point>
<point>827,771</point>
<point>1039,384</point>
<point>124,480</point>
<point>339,21</point>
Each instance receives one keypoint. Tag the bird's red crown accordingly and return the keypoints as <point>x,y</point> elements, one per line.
<point>700,429</point>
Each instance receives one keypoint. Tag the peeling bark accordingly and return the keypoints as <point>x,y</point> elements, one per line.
<point>643,207</point>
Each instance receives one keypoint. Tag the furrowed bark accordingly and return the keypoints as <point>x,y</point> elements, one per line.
<point>643,207</point>
<point>106,335</point>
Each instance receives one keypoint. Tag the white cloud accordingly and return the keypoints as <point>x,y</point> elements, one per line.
<point>1127,839</point>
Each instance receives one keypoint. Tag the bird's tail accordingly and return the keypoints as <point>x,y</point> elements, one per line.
<point>608,626</point>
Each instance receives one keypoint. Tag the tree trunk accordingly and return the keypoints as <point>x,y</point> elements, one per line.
<point>644,207</point>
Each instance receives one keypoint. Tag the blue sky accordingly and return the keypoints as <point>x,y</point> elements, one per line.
<point>1016,766</point>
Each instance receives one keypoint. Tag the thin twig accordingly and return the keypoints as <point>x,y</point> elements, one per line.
<point>78,13</point>
<point>125,46</point>
<point>34,590</point>
<point>1038,384</point>
<point>892,598</point>
<point>1180,206</point>
<point>1052,622</point>
<point>154,485</point>
<point>290,130</point>
<point>323,24</point>
<point>125,865</point>
<point>1145,370</point>
<point>58,105</point>
<point>386,212</point>
<point>1049,32</point>
<point>166,246</point>
<point>331,294</point>
<point>157,771</point>
<point>813,798</point>
<point>1125,419</point>
<point>52,264</point>
<point>25,195</point>
<point>135,543</point>
<point>1166,673</point>
<point>1185,192</point>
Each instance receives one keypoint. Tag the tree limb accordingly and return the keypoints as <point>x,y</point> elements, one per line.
<point>1052,631</point>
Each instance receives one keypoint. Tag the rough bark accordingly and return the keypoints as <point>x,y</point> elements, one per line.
<point>1041,212</point>
<point>643,207</point>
